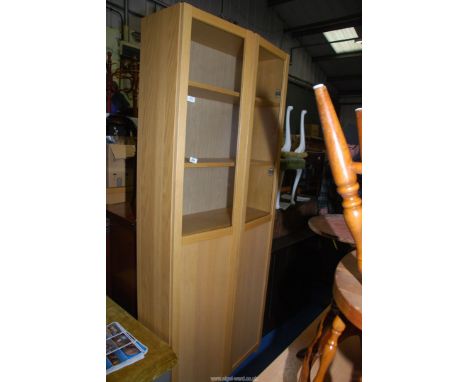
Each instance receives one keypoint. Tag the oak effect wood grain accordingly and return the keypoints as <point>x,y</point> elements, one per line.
<point>156,148</point>
<point>245,340</point>
<point>214,93</point>
<point>252,279</point>
<point>240,197</point>
<point>215,33</point>
<point>260,188</point>
<point>264,134</point>
<point>204,309</point>
<point>210,162</point>
<point>206,221</point>
<point>194,221</point>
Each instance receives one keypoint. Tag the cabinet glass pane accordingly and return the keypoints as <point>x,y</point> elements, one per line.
<point>208,194</point>
<point>211,128</point>
<point>265,135</point>
<point>215,57</point>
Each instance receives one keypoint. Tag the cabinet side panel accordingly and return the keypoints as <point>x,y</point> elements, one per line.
<point>156,140</point>
<point>251,286</point>
<point>264,134</point>
<point>203,309</point>
<point>260,188</point>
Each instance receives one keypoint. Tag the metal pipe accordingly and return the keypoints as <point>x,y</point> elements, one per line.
<point>126,27</point>
<point>325,26</point>
<point>119,7</point>
<point>338,56</point>
<point>161,3</point>
<point>121,20</point>
<point>309,86</point>
<point>126,12</point>
<point>317,44</point>
<point>300,82</point>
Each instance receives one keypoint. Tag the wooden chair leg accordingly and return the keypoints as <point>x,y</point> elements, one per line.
<point>328,350</point>
<point>308,358</point>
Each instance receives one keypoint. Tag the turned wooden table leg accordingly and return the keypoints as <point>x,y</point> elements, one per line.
<point>328,351</point>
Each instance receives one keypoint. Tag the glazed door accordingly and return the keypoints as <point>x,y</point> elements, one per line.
<point>255,245</point>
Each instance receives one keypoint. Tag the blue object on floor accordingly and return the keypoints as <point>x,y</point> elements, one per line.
<point>275,342</point>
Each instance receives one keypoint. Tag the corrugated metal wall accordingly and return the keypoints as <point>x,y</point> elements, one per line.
<point>253,15</point>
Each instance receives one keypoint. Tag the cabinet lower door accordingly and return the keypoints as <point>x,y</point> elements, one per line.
<point>252,276</point>
<point>200,323</point>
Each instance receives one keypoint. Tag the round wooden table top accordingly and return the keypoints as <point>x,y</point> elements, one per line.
<point>347,289</point>
<point>332,226</point>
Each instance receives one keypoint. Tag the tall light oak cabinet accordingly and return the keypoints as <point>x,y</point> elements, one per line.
<point>214,91</point>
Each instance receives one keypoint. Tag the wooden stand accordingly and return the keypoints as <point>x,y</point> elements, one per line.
<point>204,229</point>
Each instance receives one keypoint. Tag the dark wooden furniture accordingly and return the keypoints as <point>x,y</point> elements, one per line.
<point>121,267</point>
<point>158,360</point>
<point>291,265</point>
<point>347,287</point>
<point>332,226</point>
<point>296,259</point>
<point>294,218</point>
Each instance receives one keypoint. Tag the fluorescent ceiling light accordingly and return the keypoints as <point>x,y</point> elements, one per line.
<point>343,34</point>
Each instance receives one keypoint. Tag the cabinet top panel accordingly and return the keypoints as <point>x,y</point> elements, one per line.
<point>270,51</point>
<point>216,38</point>
<point>218,23</point>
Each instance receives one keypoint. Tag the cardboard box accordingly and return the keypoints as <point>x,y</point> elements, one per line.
<point>120,168</point>
<point>116,195</point>
<point>312,130</point>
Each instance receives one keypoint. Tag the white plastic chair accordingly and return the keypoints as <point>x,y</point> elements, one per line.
<point>300,149</point>
<point>286,147</point>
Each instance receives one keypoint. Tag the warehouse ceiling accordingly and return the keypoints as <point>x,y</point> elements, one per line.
<point>331,32</point>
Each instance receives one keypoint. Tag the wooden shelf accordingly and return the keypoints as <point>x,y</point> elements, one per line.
<point>255,162</point>
<point>227,41</point>
<point>210,162</point>
<point>263,102</point>
<point>253,214</point>
<point>215,219</point>
<point>215,93</point>
<point>206,221</point>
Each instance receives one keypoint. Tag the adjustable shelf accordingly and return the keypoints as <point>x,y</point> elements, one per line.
<point>214,93</point>
<point>253,214</point>
<point>263,102</point>
<point>210,162</point>
<point>255,162</point>
<point>206,221</point>
<point>215,219</point>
